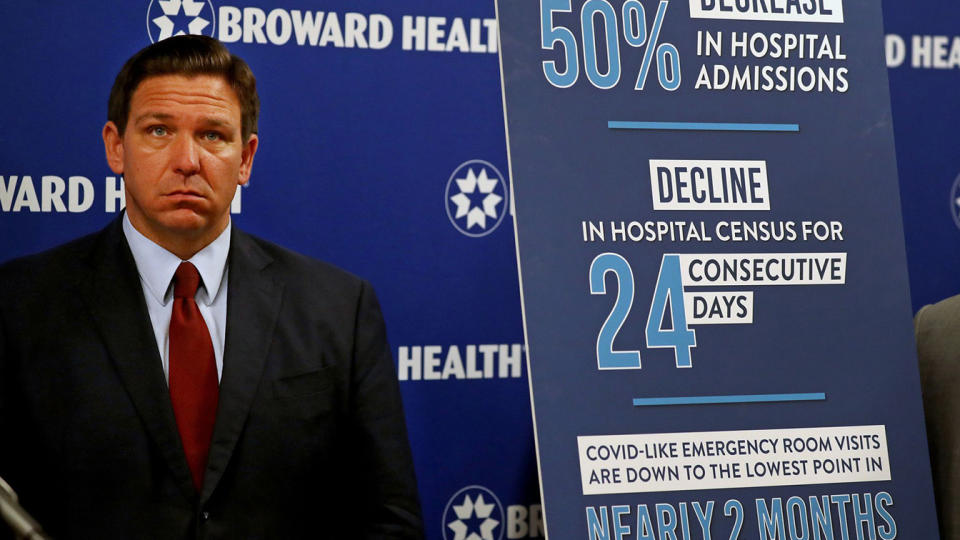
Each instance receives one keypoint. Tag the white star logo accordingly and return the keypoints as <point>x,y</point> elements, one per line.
<point>477,509</point>
<point>171,8</point>
<point>476,215</point>
<point>476,198</point>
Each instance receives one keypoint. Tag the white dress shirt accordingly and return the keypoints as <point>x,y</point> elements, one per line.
<point>156,267</point>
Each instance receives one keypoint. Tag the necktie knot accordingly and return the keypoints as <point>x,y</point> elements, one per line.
<point>186,281</point>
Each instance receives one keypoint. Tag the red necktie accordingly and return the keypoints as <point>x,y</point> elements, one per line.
<point>193,372</point>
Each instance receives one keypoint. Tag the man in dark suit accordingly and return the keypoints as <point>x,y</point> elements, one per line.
<point>173,377</point>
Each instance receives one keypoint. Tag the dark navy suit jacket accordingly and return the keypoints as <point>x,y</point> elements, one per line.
<point>309,441</point>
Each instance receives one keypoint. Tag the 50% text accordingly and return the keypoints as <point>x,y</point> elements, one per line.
<point>598,18</point>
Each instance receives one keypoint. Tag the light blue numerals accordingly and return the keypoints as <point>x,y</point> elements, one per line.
<point>590,9</point>
<point>549,36</point>
<point>678,336</point>
<point>667,301</point>
<point>732,507</point>
<point>607,358</point>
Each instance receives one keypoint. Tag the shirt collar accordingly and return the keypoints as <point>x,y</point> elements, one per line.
<point>156,265</point>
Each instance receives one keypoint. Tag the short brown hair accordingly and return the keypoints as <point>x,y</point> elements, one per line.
<point>190,56</point>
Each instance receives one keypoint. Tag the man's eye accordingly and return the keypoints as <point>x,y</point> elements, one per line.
<point>159,131</point>
<point>212,136</point>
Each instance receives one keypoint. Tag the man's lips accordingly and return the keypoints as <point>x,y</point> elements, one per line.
<point>184,195</point>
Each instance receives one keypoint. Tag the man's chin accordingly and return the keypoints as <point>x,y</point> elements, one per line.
<point>189,222</point>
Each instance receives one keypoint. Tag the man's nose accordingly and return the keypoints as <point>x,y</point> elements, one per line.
<point>186,156</point>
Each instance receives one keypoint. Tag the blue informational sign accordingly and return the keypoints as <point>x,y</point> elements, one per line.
<point>712,270</point>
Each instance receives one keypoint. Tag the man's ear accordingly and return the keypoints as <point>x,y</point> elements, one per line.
<point>246,160</point>
<point>113,145</point>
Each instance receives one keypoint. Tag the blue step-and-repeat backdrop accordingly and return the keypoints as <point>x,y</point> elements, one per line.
<point>383,151</point>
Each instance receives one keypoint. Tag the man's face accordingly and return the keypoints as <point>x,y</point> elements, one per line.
<point>182,157</point>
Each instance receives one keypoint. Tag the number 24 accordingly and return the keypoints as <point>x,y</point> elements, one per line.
<point>669,287</point>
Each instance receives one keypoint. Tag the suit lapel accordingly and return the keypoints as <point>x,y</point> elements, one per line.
<point>253,304</point>
<point>114,296</point>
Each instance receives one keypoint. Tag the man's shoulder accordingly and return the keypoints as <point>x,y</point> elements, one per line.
<point>48,265</point>
<point>937,330</point>
<point>298,269</point>
<point>944,316</point>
